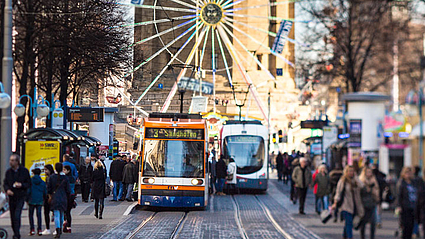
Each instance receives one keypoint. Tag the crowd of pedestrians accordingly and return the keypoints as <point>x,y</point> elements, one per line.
<point>57,193</point>
<point>222,173</point>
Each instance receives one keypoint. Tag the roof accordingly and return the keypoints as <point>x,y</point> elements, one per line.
<point>67,136</point>
<point>365,96</point>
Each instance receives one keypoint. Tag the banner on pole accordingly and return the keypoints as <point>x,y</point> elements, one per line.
<point>280,40</point>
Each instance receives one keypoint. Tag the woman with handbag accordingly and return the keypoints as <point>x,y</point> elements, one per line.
<point>348,201</point>
<point>98,180</point>
<point>370,198</point>
<point>406,201</point>
<point>58,190</point>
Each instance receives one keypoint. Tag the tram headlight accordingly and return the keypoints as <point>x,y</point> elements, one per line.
<point>149,180</point>
<point>197,181</point>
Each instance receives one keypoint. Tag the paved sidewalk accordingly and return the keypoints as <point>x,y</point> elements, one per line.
<point>312,221</point>
<point>84,224</point>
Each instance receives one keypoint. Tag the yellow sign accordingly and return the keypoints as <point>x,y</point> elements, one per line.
<point>40,153</point>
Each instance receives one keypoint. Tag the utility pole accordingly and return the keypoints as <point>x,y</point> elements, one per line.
<point>6,114</point>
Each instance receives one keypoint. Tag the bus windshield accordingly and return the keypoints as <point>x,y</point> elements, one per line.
<point>247,151</point>
<point>172,158</point>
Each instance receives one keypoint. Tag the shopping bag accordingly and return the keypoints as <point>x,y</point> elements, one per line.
<point>325,215</point>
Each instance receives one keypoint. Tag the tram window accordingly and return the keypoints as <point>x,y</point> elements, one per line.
<point>247,151</point>
<point>172,158</point>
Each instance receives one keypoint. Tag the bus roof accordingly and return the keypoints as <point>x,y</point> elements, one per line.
<point>243,122</point>
<point>175,116</point>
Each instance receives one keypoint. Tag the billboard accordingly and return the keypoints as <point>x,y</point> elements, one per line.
<point>40,153</point>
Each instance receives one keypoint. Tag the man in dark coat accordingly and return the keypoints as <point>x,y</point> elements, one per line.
<point>85,173</point>
<point>16,184</point>
<point>279,166</point>
<point>221,171</point>
<point>115,173</point>
<point>129,178</point>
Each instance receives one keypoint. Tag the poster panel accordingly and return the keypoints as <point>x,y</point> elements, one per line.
<point>40,153</point>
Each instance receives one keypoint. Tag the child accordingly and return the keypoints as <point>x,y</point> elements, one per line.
<point>37,193</point>
<point>70,205</point>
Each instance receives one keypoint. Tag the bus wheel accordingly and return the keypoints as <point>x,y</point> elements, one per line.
<point>3,233</point>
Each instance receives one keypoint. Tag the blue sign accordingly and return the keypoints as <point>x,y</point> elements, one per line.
<point>192,84</point>
<point>280,39</point>
<point>160,86</point>
<point>279,71</point>
<point>137,2</point>
<point>344,136</point>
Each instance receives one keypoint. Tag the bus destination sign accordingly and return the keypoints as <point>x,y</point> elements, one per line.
<point>85,114</point>
<point>173,133</point>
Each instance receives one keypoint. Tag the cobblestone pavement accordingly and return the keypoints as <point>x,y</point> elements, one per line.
<point>268,215</point>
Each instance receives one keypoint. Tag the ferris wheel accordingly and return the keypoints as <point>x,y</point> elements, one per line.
<point>202,31</point>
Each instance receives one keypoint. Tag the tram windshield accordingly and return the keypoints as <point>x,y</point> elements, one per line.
<point>247,151</point>
<point>172,158</point>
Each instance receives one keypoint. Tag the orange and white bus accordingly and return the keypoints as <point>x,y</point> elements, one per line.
<point>173,167</point>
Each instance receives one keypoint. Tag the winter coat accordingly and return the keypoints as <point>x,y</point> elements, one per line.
<point>116,171</point>
<point>323,185</point>
<point>348,200</point>
<point>72,182</point>
<point>85,173</point>
<point>403,199</point>
<point>221,169</point>
<point>231,170</point>
<point>38,191</point>
<point>297,176</point>
<point>60,190</point>
<point>98,180</point>
<point>279,163</point>
<point>22,175</point>
<point>129,176</point>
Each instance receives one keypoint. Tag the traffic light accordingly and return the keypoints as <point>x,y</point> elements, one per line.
<point>274,138</point>
<point>280,133</point>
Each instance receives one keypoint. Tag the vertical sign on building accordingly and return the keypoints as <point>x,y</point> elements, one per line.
<point>282,34</point>
<point>330,135</point>
<point>355,133</point>
<point>111,139</point>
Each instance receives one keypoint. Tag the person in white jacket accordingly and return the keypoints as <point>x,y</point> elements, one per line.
<point>231,175</point>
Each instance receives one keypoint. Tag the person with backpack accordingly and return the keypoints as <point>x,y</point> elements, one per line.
<point>370,198</point>
<point>37,193</point>
<point>348,200</point>
<point>302,178</point>
<point>59,190</point>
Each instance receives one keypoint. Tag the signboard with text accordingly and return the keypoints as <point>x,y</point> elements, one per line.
<point>355,133</point>
<point>173,133</point>
<point>282,34</point>
<point>40,153</point>
<point>85,114</point>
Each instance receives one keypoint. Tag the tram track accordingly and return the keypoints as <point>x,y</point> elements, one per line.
<point>238,219</point>
<point>174,235</point>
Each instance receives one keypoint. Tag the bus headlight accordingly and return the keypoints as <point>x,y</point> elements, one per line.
<point>197,181</point>
<point>149,180</point>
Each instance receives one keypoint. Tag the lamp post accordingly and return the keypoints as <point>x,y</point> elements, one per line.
<point>7,64</point>
<point>37,110</point>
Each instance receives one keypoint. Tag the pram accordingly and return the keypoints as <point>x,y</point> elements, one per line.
<point>4,207</point>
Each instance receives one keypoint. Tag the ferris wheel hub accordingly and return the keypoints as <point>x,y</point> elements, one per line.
<point>211,14</point>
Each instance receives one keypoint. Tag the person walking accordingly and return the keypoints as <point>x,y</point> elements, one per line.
<point>221,170</point>
<point>302,179</point>
<point>129,177</point>
<point>16,184</point>
<point>381,178</point>
<point>116,172</point>
<point>71,198</point>
<point>348,200</point>
<point>213,173</point>
<point>323,189</point>
<point>370,197</point>
<point>286,168</point>
<point>293,194</point>
<point>66,161</point>
<point>37,193</point>
<point>98,180</point>
<point>406,201</point>
<point>48,171</point>
<point>59,190</point>
<point>85,173</point>
<point>279,166</point>
<point>231,176</point>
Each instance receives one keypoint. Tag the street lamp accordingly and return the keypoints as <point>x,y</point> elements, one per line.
<point>39,110</point>
<point>4,98</point>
